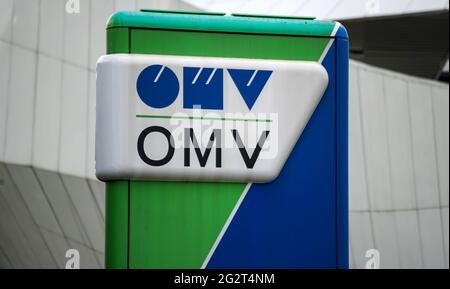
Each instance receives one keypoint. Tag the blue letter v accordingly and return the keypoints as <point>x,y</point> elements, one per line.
<point>249,83</point>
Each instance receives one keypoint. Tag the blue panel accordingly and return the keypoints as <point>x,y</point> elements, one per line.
<point>343,34</point>
<point>291,222</point>
<point>342,149</point>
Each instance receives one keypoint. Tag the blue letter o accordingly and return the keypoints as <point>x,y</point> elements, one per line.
<point>157,86</point>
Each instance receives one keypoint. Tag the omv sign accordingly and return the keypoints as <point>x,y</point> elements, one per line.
<point>158,86</point>
<point>201,118</point>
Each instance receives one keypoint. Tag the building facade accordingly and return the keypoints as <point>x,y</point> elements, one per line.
<point>50,200</point>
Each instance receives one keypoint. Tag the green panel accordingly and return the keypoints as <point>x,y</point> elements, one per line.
<point>175,224</point>
<point>183,12</point>
<point>117,40</point>
<point>226,45</point>
<point>116,246</point>
<point>274,16</point>
<point>218,23</point>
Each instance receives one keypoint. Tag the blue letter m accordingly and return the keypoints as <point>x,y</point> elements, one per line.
<point>203,87</point>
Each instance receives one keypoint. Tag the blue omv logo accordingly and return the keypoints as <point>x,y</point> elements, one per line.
<point>158,86</point>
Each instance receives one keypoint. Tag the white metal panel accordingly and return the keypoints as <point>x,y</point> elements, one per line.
<point>13,241</point>
<point>25,24</point>
<point>25,222</point>
<point>263,7</point>
<point>128,5</point>
<point>409,244</point>
<point>34,197</point>
<point>361,237</point>
<point>351,260</point>
<point>440,98</point>
<point>399,138</point>
<point>357,171</point>
<point>319,10</point>
<point>4,85</point>
<point>58,246</point>
<point>419,5</point>
<point>72,158</point>
<point>386,239</point>
<point>88,257</point>
<point>90,161</point>
<point>141,4</point>
<point>4,259</point>
<point>19,130</point>
<point>288,7</point>
<point>432,238</point>
<point>387,7</point>
<point>101,259</point>
<point>98,189</point>
<point>89,214</point>
<point>62,204</point>
<point>171,5</point>
<point>423,145</point>
<point>375,139</point>
<point>47,114</point>
<point>100,12</point>
<point>6,14</point>
<point>76,36</point>
<point>14,200</point>
<point>445,225</point>
<point>228,6</point>
<point>329,9</point>
<point>347,9</point>
<point>51,27</point>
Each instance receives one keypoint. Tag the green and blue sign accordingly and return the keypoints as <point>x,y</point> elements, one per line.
<point>223,141</point>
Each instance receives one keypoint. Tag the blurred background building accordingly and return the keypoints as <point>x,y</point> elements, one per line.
<point>50,200</point>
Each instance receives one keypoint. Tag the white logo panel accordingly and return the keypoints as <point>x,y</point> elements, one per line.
<point>201,118</point>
